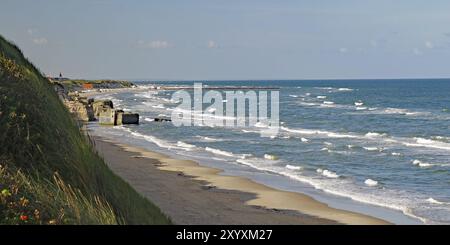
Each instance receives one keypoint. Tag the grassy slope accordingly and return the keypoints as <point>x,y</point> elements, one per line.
<point>49,163</point>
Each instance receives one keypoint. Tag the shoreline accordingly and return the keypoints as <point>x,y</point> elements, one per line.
<point>193,194</point>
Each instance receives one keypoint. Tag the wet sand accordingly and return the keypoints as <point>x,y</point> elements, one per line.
<point>192,194</point>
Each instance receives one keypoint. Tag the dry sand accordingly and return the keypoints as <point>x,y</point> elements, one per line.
<point>192,194</point>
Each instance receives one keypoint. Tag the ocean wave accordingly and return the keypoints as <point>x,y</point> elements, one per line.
<point>434,201</point>
<point>159,142</point>
<point>321,97</point>
<point>345,89</point>
<point>308,103</point>
<point>292,167</point>
<point>373,148</point>
<point>148,95</point>
<point>219,152</point>
<point>396,111</point>
<point>261,125</point>
<point>186,145</point>
<point>318,132</point>
<point>411,142</point>
<point>422,164</point>
<point>271,157</point>
<point>371,182</point>
<point>327,173</point>
<point>374,134</point>
<point>208,139</point>
<point>421,142</point>
<point>335,188</point>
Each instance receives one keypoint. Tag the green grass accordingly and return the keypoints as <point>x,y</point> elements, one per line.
<point>40,140</point>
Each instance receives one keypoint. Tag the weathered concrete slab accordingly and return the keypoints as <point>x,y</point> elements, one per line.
<point>107,116</point>
<point>130,118</point>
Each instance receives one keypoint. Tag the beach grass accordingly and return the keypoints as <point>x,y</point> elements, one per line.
<point>48,160</point>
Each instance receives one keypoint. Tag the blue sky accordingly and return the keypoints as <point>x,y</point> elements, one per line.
<point>232,39</point>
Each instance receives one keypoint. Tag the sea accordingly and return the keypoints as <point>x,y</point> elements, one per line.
<point>379,147</point>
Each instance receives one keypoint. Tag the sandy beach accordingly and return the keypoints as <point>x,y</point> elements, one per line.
<point>192,194</point>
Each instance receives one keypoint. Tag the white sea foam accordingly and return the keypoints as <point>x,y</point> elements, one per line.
<point>374,134</point>
<point>308,104</point>
<point>371,182</point>
<point>329,187</point>
<point>293,95</point>
<point>396,154</point>
<point>421,164</point>
<point>329,174</point>
<point>261,125</point>
<point>208,139</point>
<point>219,152</point>
<point>321,97</point>
<point>421,142</point>
<point>361,108</point>
<point>434,201</point>
<point>148,95</point>
<point>328,102</point>
<point>305,140</point>
<point>292,167</point>
<point>149,119</point>
<point>318,132</point>
<point>401,112</point>
<point>345,89</point>
<point>372,148</point>
<point>250,131</point>
<point>270,157</point>
<point>186,145</point>
<point>359,103</point>
<point>159,142</point>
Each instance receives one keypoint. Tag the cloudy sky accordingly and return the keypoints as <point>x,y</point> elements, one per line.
<point>232,39</point>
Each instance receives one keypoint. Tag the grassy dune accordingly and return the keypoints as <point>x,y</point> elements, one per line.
<point>50,172</point>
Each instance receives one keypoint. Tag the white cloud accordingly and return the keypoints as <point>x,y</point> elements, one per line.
<point>343,50</point>
<point>417,51</point>
<point>212,44</point>
<point>156,44</point>
<point>429,44</point>
<point>40,41</point>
